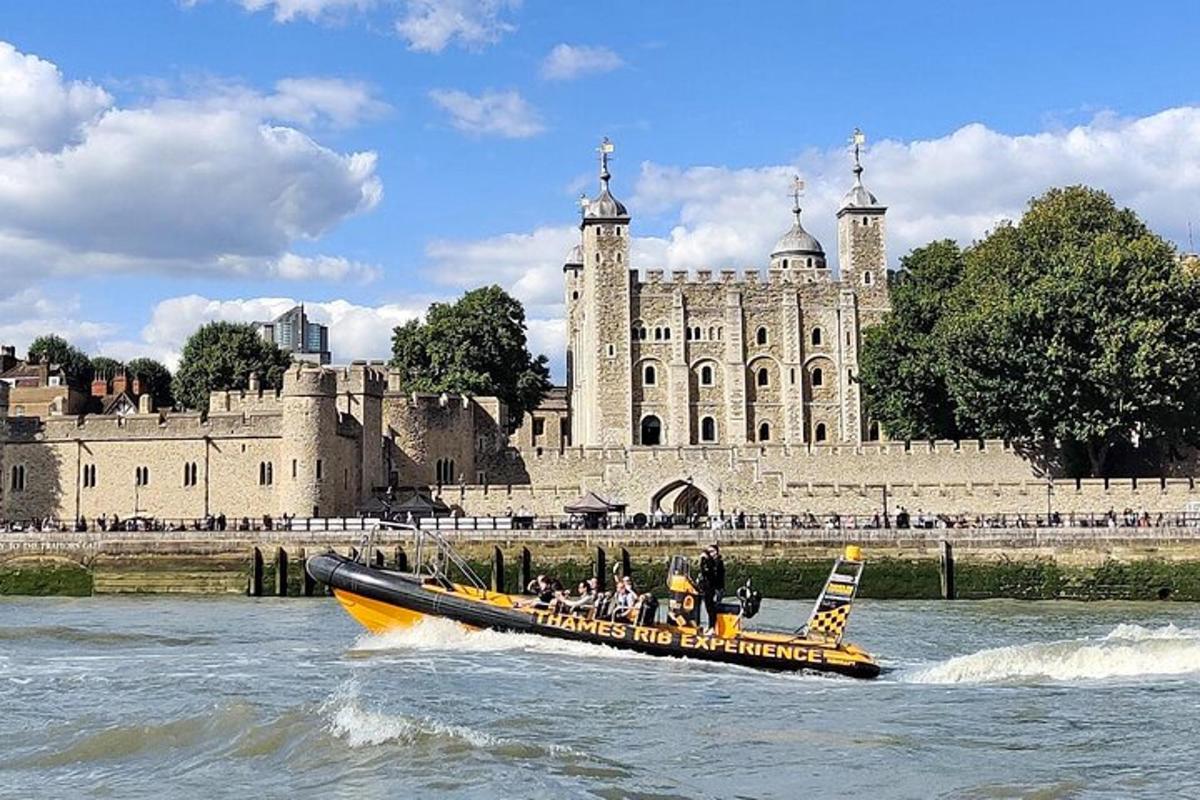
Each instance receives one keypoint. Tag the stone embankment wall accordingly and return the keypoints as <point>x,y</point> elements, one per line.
<point>1028,563</point>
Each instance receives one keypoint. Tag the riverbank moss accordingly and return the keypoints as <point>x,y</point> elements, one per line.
<point>43,578</point>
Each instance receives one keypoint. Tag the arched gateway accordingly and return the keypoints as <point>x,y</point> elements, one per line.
<point>680,498</point>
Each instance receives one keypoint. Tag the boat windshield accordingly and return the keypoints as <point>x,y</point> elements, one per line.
<point>679,566</point>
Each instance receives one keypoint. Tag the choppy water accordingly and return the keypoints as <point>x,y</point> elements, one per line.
<point>111,697</point>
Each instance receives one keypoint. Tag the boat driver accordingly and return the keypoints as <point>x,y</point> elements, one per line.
<point>712,581</point>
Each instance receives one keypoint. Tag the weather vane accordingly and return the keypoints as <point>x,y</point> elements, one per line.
<point>605,148</point>
<point>858,139</point>
<point>797,189</point>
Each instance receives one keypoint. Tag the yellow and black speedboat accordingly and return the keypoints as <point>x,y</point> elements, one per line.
<point>383,600</point>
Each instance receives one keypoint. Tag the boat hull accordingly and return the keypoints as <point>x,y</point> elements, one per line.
<point>383,600</point>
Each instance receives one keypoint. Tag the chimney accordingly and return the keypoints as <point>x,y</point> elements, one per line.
<point>145,404</point>
<point>135,387</point>
<point>8,357</point>
<point>99,386</point>
<point>254,384</point>
<point>119,382</point>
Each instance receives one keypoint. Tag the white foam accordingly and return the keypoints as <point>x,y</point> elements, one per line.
<point>1126,652</point>
<point>437,634</point>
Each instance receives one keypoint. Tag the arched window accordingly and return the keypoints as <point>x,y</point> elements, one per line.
<point>818,377</point>
<point>141,476</point>
<point>816,337</point>
<point>819,434</point>
<point>649,375</point>
<point>658,334</point>
<point>760,336</point>
<point>868,279</point>
<point>810,261</point>
<point>712,333</point>
<point>764,432</point>
<point>785,263</point>
<point>666,333</point>
<point>687,333</point>
<point>642,334</point>
<point>873,432</point>
<point>706,375</point>
<point>651,431</point>
<point>764,377</point>
<point>698,333</point>
<point>708,429</point>
<point>618,257</point>
<point>444,471</point>
<point>574,295</point>
<point>597,258</point>
<point>17,484</point>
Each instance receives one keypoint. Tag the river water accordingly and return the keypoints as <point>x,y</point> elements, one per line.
<point>162,697</point>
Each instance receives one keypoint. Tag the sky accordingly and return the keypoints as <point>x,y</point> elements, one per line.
<point>168,162</point>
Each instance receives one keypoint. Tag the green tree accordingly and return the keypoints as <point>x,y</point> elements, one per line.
<point>53,349</point>
<point>221,356</point>
<point>104,366</point>
<point>1075,329</point>
<point>476,345</point>
<point>901,369</point>
<point>155,379</point>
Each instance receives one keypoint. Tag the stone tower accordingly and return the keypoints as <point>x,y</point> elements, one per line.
<point>362,391</point>
<point>601,365</point>
<point>573,283</point>
<point>307,481</point>
<point>862,261</point>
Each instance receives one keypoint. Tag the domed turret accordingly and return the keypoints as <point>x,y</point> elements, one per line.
<point>574,257</point>
<point>797,249</point>
<point>604,205</point>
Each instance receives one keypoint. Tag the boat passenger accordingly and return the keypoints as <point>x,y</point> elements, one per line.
<point>712,581</point>
<point>626,598</point>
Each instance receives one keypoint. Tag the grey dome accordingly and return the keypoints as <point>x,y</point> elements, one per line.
<point>858,196</point>
<point>797,241</point>
<point>604,205</point>
<point>575,257</point>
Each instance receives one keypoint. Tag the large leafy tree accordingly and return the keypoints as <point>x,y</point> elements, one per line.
<point>223,355</point>
<point>1076,328</point>
<point>53,349</point>
<point>1073,331</point>
<point>476,345</point>
<point>103,366</point>
<point>155,379</point>
<point>901,370</point>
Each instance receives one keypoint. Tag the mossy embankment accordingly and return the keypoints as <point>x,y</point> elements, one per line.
<point>781,571</point>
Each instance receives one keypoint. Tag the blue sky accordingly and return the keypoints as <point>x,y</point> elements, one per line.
<point>164,163</point>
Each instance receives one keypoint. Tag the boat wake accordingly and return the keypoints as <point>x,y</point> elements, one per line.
<point>1126,652</point>
<point>438,634</point>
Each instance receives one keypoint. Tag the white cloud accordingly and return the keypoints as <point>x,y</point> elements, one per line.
<point>182,185</point>
<point>504,114</point>
<point>288,10</point>
<point>356,331</point>
<point>566,62</point>
<point>38,109</point>
<point>430,25</point>
<point>957,186</point>
<point>309,102</point>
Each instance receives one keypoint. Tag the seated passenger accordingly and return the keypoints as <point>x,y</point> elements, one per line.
<point>626,598</point>
<point>543,590</point>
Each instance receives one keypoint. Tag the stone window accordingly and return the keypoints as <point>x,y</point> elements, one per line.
<point>480,478</point>
<point>816,337</point>
<point>792,376</point>
<point>708,429</point>
<point>539,426</point>
<point>564,430</point>
<point>760,336</point>
<point>687,334</point>
<point>873,432</point>
<point>809,262</point>
<point>444,471</point>
<point>785,263</point>
<point>266,473</point>
<point>649,375</point>
<point>764,377</point>
<point>658,334</point>
<point>575,295</point>
<point>89,476</point>
<point>320,469</point>
<point>868,278</point>
<point>818,377</point>
<point>612,351</point>
<point>764,432</point>
<point>618,257</point>
<point>597,258</point>
<point>667,334</point>
<point>712,333</point>
<point>706,375</point>
<point>295,468</point>
<point>141,476</point>
<point>190,474</point>
<point>651,431</point>
<point>17,484</point>
<point>819,434</point>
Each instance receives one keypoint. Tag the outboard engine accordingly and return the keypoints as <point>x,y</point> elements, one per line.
<point>750,599</point>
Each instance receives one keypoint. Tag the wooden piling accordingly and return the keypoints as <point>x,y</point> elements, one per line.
<point>309,584</point>
<point>523,572</point>
<point>401,559</point>
<point>255,588</point>
<point>281,572</point>
<point>497,569</point>
<point>946,569</point>
<point>626,568</point>
<point>600,568</point>
<point>378,559</point>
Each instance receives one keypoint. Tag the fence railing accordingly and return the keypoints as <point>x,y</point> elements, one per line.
<point>1123,520</point>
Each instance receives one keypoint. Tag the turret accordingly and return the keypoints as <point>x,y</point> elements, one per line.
<point>798,253</point>
<point>862,232</point>
<point>602,359</point>
<point>307,485</point>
